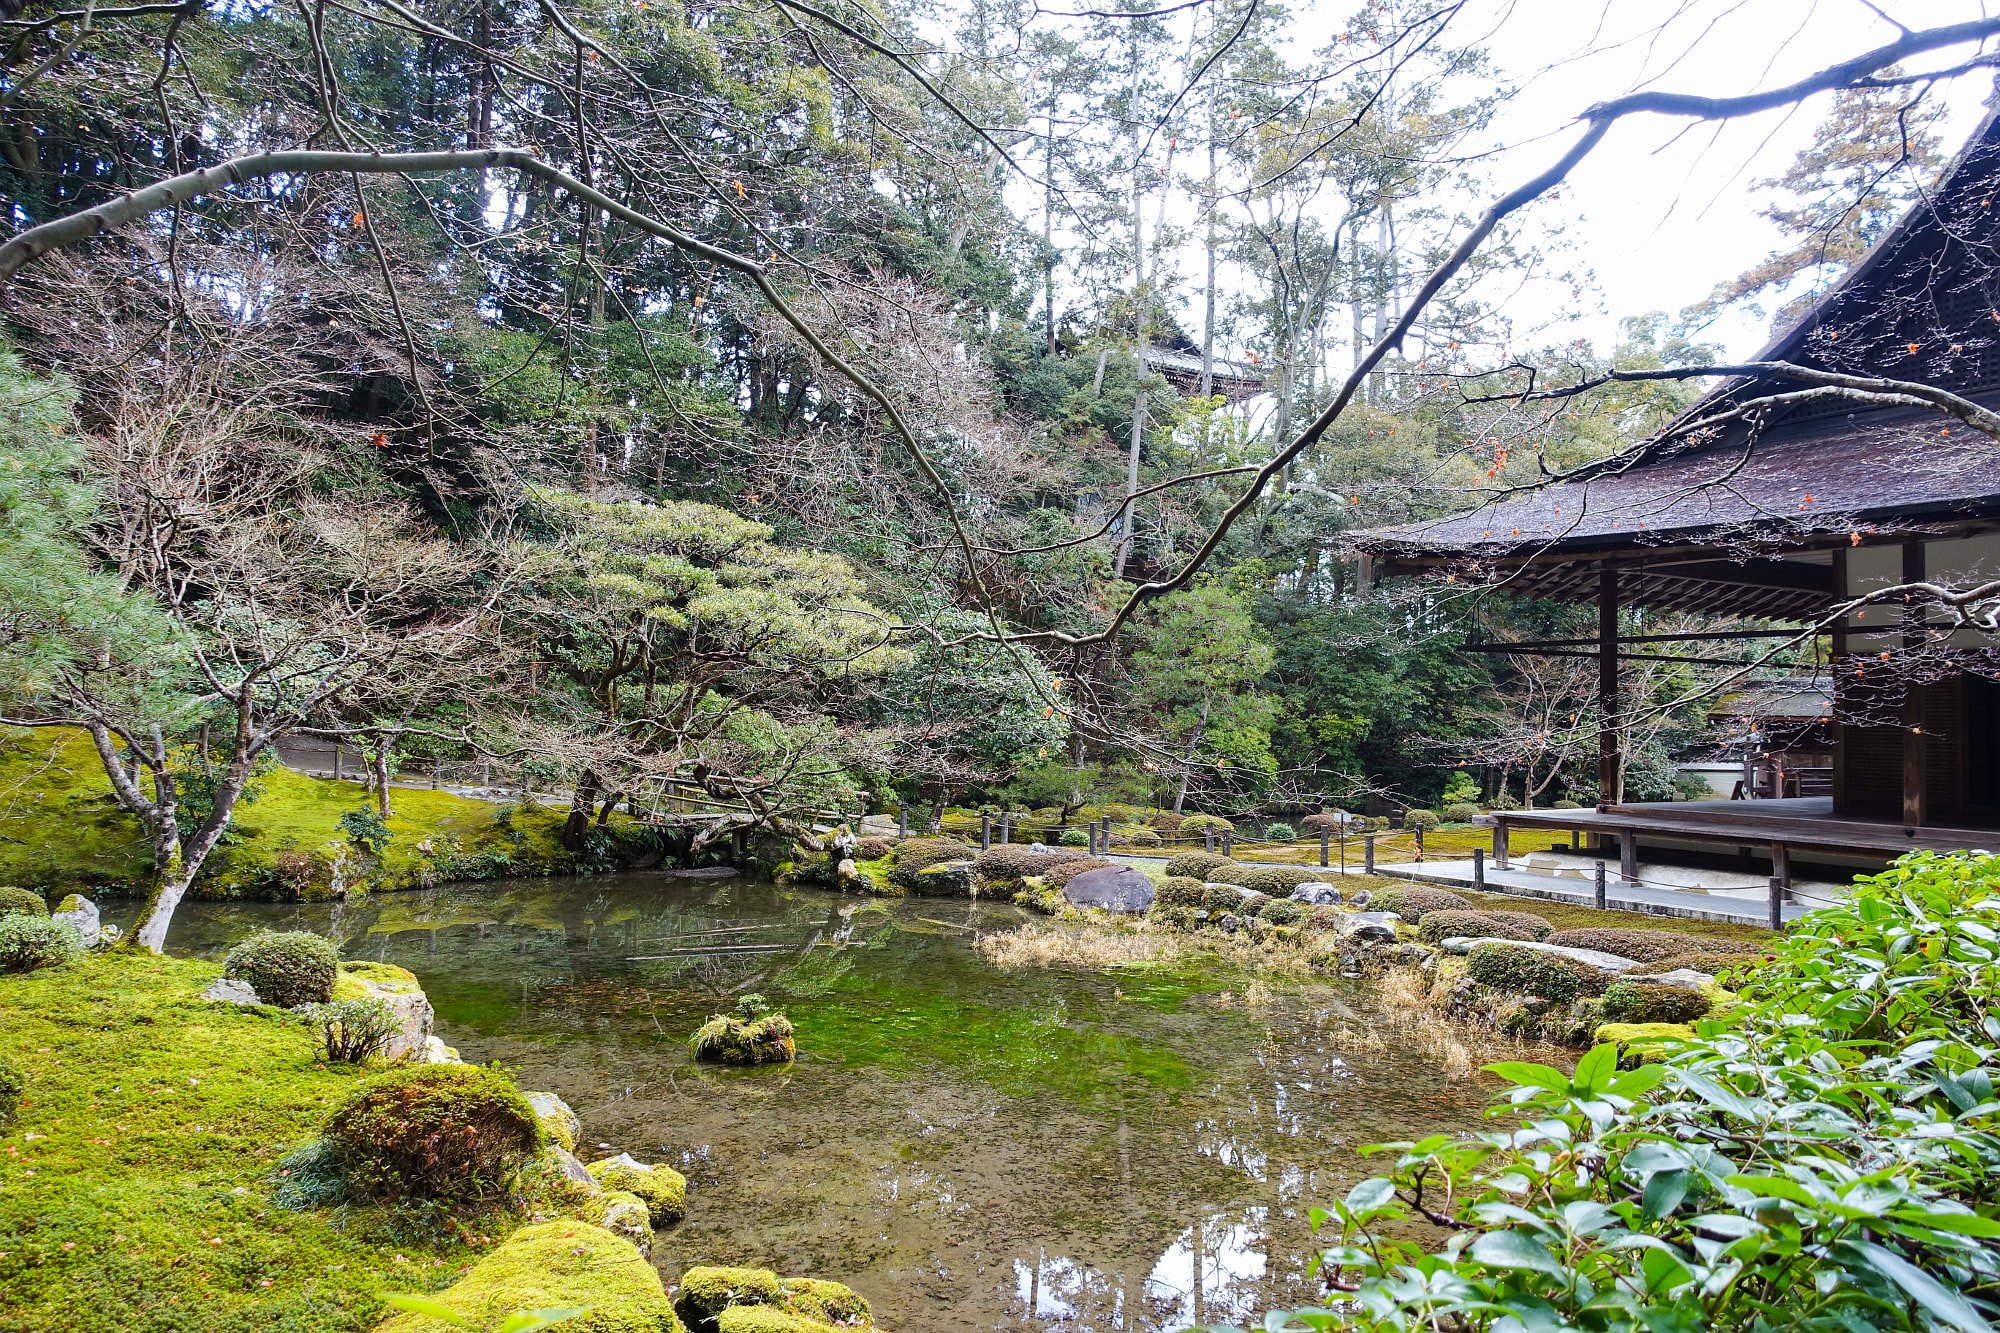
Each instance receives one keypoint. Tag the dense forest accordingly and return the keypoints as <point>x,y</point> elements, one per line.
<point>805,402</point>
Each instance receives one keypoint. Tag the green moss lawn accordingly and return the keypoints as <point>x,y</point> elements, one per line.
<point>135,1182</point>
<point>61,828</point>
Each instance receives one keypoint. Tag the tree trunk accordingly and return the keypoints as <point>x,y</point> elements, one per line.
<point>187,862</point>
<point>378,767</point>
<point>581,805</point>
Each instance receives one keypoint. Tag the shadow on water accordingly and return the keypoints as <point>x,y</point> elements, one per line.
<point>967,1147</point>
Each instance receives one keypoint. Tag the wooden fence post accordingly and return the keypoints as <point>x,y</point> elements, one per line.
<point>1368,853</point>
<point>1479,870</point>
<point>985,832</point>
<point>1323,838</point>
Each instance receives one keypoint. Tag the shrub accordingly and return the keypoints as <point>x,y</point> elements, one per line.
<point>1178,891</point>
<point>872,849</point>
<point>29,943</point>
<point>1716,965</point>
<point>1504,802</point>
<point>452,1132</point>
<point>285,968</point>
<point>1219,898</point>
<point>1533,972</point>
<point>1279,833</point>
<point>1168,822</point>
<point>1196,865</point>
<point>914,854</point>
<point>1327,822</point>
<point>1460,814</point>
<point>1435,926</point>
<point>1180,918</point>
<point>1527,923</point>
<point>731,1041</point>
<point>1564,804</point>
<point>1002,865</point>
<point>1143,837</point>
<point>1426,820</point>
<point>1281,913</point>
<point>366,829</point>
<point>1644,946</point>
<point>21,902</point>
<point>1056,876</point>
<point>12,1084</point>
<point>1194,826</point>
<point>1414,902</point>
<point>1278,881</point>
<point>353,1030</point>
<point>1627,1001</point>
<point>1074,837</point>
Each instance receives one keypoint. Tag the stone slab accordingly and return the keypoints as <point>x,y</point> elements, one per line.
<point>1114,888</point>
<point>1603,962</point>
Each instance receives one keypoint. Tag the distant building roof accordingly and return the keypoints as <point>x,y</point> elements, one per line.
<point>1234,380</point>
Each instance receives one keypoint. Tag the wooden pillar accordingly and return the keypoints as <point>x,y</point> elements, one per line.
<point>1323,836</point>
<point>1913,696</point>
<point>1837,655</point>
<point>1500,843</point>
<point>1781,866</point>
<point>1607,686</point>
<point>1628,856</point>
<point>985,832</point>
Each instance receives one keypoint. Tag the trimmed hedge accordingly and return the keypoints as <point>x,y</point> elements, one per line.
<point>1195,865</point>
<point>1178,891</point>
<point>1714,964</point>
<point>1074,837</point>
<point>1277,881</point>
<point>30,943</point>
<point>1427,820</point>
<point>1627,1001</point>
<point>1462,813</point>
<point>1534,927</point>
<point>1219,898</point>
<point>457,1132</point>
<point>1168,822</point>
<point>1281,912</point>
<point>1195,826</point>
<point>1056,876</point>
<point>1533,972</point>
<point>286,968</point>
<point>1413,904</point>
<point>1433,927</point>
<point>1328,822</point>
<point>22,902</point>
<point>1645,946</point>
<point>916,853</point>
<point>1003,865</point>
<point>1143,837</point>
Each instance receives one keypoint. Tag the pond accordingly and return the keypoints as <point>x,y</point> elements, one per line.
<point>967,1147</point>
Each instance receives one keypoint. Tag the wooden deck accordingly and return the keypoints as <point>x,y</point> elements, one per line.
<point>1795,825</point>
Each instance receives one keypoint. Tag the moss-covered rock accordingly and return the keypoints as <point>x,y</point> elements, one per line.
<point>1643,1039</point>
<point>663,1188</point>
<point>828,1302</point>
<point>705,1292</point>
<point>25,902</point>
<point>732,1041</point>
<point>286,968</point>
<point>626,1214</point>
<point>1721,966</point>
<point>1531,972</point>
<point>454,1132</point>
<point>560,1124</point>
<point>757,1300</point>
<point>944,879</point>
<point>1630,1001</point>
<point>557,1264</point>
<point>765,1319</point>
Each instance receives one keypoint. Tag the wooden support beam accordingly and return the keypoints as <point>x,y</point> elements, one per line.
<point>1500,843</point>
<point>1607,687</point>
<point>1628,857</point>
<point>1781,866</point>
<point>1913,697</point>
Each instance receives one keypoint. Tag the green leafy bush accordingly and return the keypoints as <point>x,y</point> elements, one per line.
<point>1630,1001</point>
<point>1504,802</point>
<point>1279,833</point>
<point>1138,837</point>
<point>21,902</point>
<point>1195,865</point>
<point>1195,826</point>
<point>450,1132</point>
<point>1281,913</point>
<point>29,943</point>
<point>1821,1159</point>
<point>1645,946</point>
<point>1426,820</point>
<point>285,968</point>
<point>872,849</point>
<point>366,829</point>
<point>1219,898</point>
<point>1074,837</point>
<point>1460,814</point>
<point>1414,903</point>
<point>352,1030</point>
<point>1533,972</point>
<point>1433,927</point>
<point>732,1041</point>
<point>1178,891</point>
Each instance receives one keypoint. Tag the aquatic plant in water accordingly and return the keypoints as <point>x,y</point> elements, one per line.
<point>744,1041</point>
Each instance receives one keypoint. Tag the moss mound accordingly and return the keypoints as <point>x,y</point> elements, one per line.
<point>829,1302</point>
<point>1642,1037</point>
<point>23,902</point>
<point>387,974</point>
<point>765,1319</point>
<point>1434,927</point>
<point>1527,923</point>
<point>1533,972</point>
<point>1413,904</point>
<point>1195,826</point>
<point>916,853</point>
<point>1646,946</point>
<point>1004,865</point>
<point>286,968</point>
<point>1178,891</point>
<point>453,1132</point>
<point>661,1188</point>
<point>1195,865</point>
<point>757,1300</point>
<point>557,1264</point>
<point>732,1041</point>
<point>1628,1001</point>
<point>1056,876</point>
<point>706,1292</point>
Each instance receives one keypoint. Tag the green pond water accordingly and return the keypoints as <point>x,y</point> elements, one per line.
<point>968,1147</point>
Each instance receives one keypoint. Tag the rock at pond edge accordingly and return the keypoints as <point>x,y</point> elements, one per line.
<point>556,1264</point>
<point>1113,888</point>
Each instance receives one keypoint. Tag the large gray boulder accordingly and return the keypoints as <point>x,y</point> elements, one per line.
<point>81,913</point>
<point>1317,893</point>
<point>1603,962</point>
<point>1114,888</point>
<point>231,992</point>
<point>412,1008</point>
<point>947,879</point>
<point>1369,926</point>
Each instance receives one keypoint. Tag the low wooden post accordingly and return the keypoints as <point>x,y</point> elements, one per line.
<point>1777,921</point>
<point>1628,857</point>
<point>1574,843</point>
<point>1228,841</point>
<point>903,821</point>
<point>1500,844</point>
<point>1104,844</point>
<point>1006,827</point>
<point>1324,835</point>
<point>1781,864</point>
<point>336,763</point>
<point>1368,853</point>
<point>1420,844</point>
<point>437,767</point>
<point>1600,886</point>
<point>1479,870</point>
<point>1208,838</point>
<point>985,832</point>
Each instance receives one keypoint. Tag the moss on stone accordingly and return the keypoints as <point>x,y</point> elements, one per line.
<point>828,1302</point>
<point>382,974</point>
<point>1642,1033</point>
<point>765,1319</point>
<point>557,1264</point>
<point>22,902</point>
<point>1632,1001</point>
<point>626,1214</point>
<point>454,1132</point>
<point>705,1292</point>
<point>663,1188</point>
<point>731,1041</point>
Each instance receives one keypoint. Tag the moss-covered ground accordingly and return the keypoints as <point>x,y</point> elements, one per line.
<point>135,1182</point>
<point>61,828</point>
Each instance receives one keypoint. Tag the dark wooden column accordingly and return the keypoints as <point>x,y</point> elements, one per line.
<point>1837,655</point>
<point>1913,695</point>
<point>1607,686</point>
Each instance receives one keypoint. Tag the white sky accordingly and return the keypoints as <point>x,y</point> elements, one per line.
<point>1662,211</point>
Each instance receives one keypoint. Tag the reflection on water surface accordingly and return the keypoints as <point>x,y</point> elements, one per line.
<point>968,1148</point>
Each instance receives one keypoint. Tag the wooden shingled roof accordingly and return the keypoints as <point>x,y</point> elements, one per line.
<point>1924,304</point>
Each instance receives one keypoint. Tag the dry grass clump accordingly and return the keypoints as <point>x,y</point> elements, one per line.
<point>1034,945</point>
<point>1408,1022</point>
